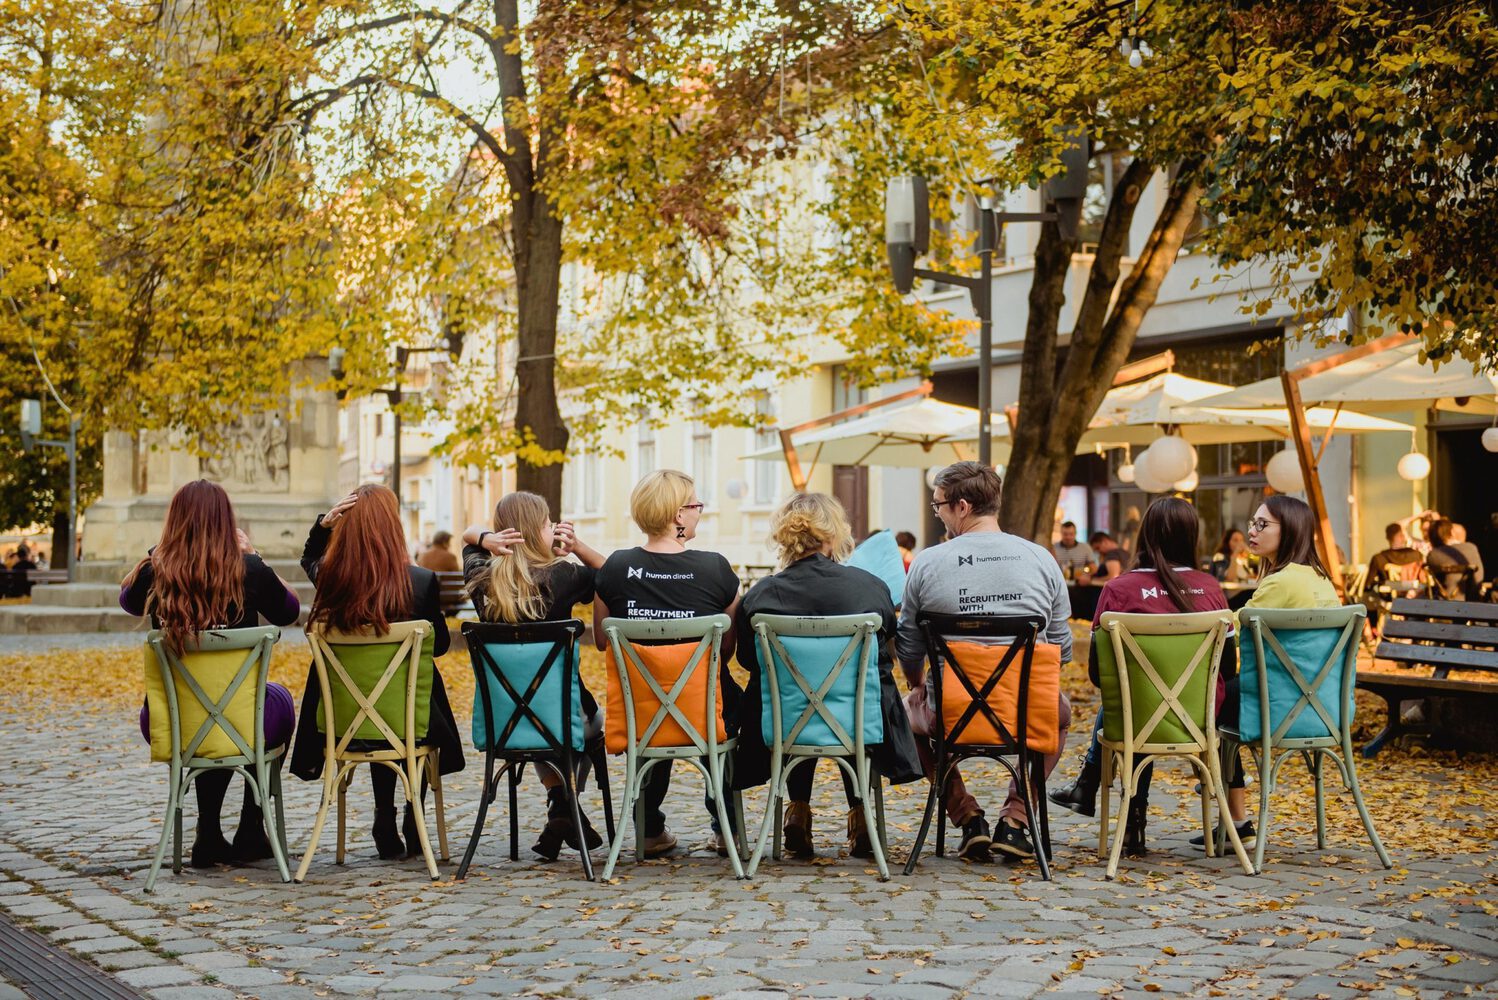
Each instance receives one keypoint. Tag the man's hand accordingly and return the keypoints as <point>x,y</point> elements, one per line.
<point>338,510</point>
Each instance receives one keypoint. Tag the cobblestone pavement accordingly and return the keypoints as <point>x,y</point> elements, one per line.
<point>82,807</point>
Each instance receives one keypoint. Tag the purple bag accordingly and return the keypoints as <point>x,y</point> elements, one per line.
<point>280,717</point>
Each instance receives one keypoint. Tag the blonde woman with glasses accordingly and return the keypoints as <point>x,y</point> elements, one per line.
<point>665,578</point>
<point>812,536</point>
<point>519,572</point>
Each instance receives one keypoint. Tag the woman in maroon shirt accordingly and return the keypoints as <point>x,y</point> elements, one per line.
<point>1161,582</point>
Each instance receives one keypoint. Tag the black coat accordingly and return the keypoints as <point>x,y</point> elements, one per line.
<point>442,728</point>
<point>818,586</point>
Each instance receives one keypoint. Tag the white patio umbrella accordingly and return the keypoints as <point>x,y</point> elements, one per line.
<point>920,435</point>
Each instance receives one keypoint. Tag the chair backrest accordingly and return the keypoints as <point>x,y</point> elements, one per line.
<point>212,694</point>
<point>1159,675</point>
<point>990,691</point>
<point>528,693</point>
<point>1297,670</point>
<point>374,687</point>
<point>663,688</point>
<point>823,681</point>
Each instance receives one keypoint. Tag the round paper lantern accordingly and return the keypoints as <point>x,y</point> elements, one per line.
<point>1413,467</point>
<point>1490,439</point>
<point>736,489</point>
<point>1188,484</point>
<point>1169,458</point>
<point>931,477</point>
<point>1145,479</point>
<point>1126,473</point>
<point>1283,472</point>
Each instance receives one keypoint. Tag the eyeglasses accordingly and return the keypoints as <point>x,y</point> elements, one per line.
<point>698,506</point>
<point>937,505</point>
<point>1260,523</point>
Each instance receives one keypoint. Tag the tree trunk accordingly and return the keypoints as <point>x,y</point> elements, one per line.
<point>62,540</point>
<point>538,418</point>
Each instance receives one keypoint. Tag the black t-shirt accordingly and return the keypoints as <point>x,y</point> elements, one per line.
<point>564,585</point>
<point>635,583</point>
<point>1378,566</point>
<point>264,597</point>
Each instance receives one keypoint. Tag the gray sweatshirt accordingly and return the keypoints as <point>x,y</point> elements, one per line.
<point>985,573</point>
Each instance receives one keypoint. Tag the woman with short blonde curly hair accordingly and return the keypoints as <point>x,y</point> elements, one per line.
<point>812,536</point>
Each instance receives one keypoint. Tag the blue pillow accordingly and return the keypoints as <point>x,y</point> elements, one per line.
<point>815,656</point>
<point>1309,648</point>
<point>878,554</point>
<point>520,662</point>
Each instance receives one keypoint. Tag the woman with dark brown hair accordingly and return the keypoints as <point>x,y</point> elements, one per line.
<point>356,558</point>
<point>204,574</point>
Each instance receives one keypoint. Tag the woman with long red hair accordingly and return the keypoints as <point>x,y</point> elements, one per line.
<point>204,574</point>
<point>356,558</point>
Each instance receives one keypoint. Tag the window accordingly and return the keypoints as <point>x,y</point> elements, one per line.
<point>644,444</point>
<point>703,459</point>
<point>845,392</point>
<point>592,498</point>
<point>766,473</point>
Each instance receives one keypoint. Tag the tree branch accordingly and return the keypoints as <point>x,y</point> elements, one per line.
<point>410,17</point>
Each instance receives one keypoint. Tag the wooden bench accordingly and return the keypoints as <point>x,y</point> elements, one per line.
<point>18,582</point>
<point>454,593</point>
<point>1423,641</point>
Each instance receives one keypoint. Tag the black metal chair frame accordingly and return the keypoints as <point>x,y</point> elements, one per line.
<point>563,636</point>
<point>1028,771</point>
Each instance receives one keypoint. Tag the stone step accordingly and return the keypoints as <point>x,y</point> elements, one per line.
<point>29,619</point>
<point>107,595</point>
<point>113,572</point>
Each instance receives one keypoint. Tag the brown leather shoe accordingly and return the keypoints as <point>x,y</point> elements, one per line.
<point>798,830</point>
<point>859,845</point>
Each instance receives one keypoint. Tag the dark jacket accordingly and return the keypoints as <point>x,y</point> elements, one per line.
<point>442,728</point>
<point>818,586</point>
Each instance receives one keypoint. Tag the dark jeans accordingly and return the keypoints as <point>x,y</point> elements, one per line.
<point>1227,716</point>
<point>1094,761</point>
<point>657,783</point>
<point>798,785</point>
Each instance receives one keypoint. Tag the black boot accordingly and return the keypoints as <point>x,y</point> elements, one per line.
<point>209,847</point>
<point>250,842</point>
<point>387,841</point>
<point>558,829</point>
<point>1081,795</point>
<point>1133,844</point>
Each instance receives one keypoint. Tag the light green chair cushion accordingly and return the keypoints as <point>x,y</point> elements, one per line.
<point>366,664</point>
<point>1170,655</point>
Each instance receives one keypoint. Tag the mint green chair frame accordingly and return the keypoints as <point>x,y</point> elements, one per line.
<point>861,652</point>
<point>1263,627</point>
<point>260,766</point>
<point>403,755</point>
<point>1169,679</point>
<point>704,752</point>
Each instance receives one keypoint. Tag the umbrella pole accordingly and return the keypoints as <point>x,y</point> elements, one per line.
<point>1310,471</point>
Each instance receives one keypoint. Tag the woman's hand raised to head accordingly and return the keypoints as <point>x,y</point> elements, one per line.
<point>245,545</point>
<point>338,509</point>
<point>564,538</point>
<point>501,543</point>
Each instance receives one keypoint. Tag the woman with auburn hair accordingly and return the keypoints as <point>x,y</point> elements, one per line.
<point>1162,581</point>
<point>204,574</point>
<point>519,572</point>
<point>811,532</point>
<point>356,558</point>
<point>665,579</point>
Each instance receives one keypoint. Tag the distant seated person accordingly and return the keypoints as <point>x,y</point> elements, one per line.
<point>438,557</point>
<point>906,541</point>
<point>1110,559</point>
<point>1399,562</point>
<point>1454,563</point>
<point>1073,556</point>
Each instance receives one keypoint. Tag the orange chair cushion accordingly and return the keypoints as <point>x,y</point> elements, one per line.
<point>665,663</point>
<point>977,661</point>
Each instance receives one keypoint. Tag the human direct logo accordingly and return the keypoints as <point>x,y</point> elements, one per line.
<point>1149,591</point>
<point>964,560</point>
<point>634,572</point>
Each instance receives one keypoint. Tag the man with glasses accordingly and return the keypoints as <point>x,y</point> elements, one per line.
<point>980,570</point>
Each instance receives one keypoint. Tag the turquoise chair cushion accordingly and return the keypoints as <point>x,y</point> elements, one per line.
<point>1309,648</point>
<point>520,662</point>
<point>815,656</point>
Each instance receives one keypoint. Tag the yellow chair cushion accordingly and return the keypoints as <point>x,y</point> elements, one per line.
<point>214,672</point>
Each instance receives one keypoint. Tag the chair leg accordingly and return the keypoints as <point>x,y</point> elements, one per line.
<point>640,816</point>
<point>1319,773</point>
<point>168,824</point>
<point>1268,782</point>
<point>330,777</point>
<point>601,776</point>
<point>1225,814</point>
<point>1351,774</point>
<point>177,825</point>
<point>1037,785</point>
<point>868,782</point>
<point>626,806</point>
<point>411,778</point>
<point>434,778</point>
<point>920,838</point>
<point>577,815</point>
<point>1105,786</point>
<point>1115,850</point>
<point>1032,812</point>
<point>270,787</point>
<point>478,824</point>
<point>343,784</point>
<point>514,786</point>
<point>281,811</point>
<point>717,766</point>
<point>771,817</point>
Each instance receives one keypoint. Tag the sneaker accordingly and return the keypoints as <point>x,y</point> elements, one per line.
<point>1245,832</point>
<point>1080,796</point>
<point>975,840</point>
<point>859,844</point>
<point>798,830</point>
<point>662,843</point>
<point>1013,840</point>
<point>718,844</point>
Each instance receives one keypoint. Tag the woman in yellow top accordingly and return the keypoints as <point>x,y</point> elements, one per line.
<point>1283,535</point>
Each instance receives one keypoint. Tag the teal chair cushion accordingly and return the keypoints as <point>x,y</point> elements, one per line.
<point>815,656</point>
<point>1309,648</point>
<point>520,662</point>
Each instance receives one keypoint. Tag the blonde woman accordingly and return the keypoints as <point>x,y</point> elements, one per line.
<point>519,572</point>
<point>811,532</point>
<point>665,579</point>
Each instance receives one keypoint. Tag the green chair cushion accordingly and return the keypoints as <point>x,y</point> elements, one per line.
<point>1170,655</point>
<point>365,665</point>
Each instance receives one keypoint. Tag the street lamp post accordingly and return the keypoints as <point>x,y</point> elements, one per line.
<point>907,237</point>
<point>31,427</point>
